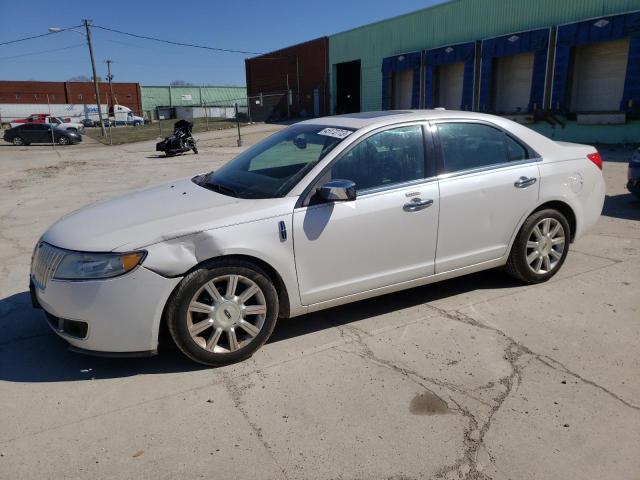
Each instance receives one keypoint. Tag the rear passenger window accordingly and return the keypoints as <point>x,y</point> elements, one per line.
<point>471,145</point>
<point>516,150</point>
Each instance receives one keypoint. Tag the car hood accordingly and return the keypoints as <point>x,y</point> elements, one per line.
<point>145,217</point>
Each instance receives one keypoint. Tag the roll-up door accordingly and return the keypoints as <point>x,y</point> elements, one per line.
<point>449,86</point>
<point>599,71</point>
<point>401,81</point>
<point>512,83</point>
<point>402,89</point>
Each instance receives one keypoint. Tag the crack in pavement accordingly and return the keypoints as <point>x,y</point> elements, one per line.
<point>474,434</point>
<point>235,391</point>
<point>544,359</point>
<point>475,431</point>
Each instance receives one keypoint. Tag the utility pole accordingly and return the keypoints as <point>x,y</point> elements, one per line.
<point>109,78</point>
<point>87,24</point>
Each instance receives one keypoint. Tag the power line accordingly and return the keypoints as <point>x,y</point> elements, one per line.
<point>155,39</point>
<point>36,36</point>
<point>43,51</point>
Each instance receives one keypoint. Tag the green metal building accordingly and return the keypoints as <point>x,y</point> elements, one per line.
<point>568,68</point>
<point>154,97</point>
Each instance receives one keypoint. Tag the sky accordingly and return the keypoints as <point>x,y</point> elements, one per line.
<point>249,25</point>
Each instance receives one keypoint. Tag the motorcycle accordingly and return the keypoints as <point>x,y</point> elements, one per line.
<point>179,141</point>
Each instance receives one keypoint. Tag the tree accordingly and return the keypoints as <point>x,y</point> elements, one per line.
<point>179,83</point>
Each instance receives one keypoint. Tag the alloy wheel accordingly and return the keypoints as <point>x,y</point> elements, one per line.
<point>226,313</point>
<point>17,141</point>
<point>545,246</point>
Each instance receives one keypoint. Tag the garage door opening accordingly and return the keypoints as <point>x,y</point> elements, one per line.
<point>348,87</point>
<point>596,76</point>
<point>511,86</point>
<point>449,80</point>
<point>402,88</point>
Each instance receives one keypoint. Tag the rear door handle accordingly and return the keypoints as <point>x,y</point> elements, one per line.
<point>417,204</point>
<point>524,182</point>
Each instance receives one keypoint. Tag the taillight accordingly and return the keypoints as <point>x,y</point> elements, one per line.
<point>596,159</point>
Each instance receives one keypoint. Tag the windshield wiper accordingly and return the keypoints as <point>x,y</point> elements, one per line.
<point>216,187</point>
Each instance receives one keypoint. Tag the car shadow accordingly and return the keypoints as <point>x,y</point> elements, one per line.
<point>31,352</point>
<point>625,206</point>
<point>353,312</point>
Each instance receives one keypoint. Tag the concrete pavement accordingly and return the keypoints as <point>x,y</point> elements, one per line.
<point>476,377</point>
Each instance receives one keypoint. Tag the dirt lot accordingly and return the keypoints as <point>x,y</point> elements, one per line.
<point>477,377</point>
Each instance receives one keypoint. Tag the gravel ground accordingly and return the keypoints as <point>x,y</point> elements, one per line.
<point>476,377</point>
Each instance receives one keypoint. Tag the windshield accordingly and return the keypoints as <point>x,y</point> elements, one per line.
<point>272,167</point>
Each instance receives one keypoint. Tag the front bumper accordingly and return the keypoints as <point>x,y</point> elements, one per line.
<point>122,314</point>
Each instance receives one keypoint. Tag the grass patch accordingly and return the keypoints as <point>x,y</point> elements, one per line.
<point>153,131</point>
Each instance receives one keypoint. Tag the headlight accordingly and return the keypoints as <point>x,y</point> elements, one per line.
<point>92,266</point>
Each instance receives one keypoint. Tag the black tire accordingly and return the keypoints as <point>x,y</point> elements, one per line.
<point>18,141</point>
<point>177,313</point>
<point>64,141</point>
<point>195,149</point>
<point>517,265</point>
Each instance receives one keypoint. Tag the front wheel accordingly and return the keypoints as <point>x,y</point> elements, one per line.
<point>195,149</point>
<point>540,248</point>
<point>63,141</point>
<point>18,141</point>
<point>223,312</point>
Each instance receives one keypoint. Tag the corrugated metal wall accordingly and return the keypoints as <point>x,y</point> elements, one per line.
<point>191,96</point>
<point>449,23</point>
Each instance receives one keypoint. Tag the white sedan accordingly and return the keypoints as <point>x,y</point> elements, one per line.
<point>325,212</point>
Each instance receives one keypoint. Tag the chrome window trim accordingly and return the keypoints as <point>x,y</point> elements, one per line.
<point>395,186</point>
<point>536,157</point>
<point>495,166</point>
<point>370,193</point>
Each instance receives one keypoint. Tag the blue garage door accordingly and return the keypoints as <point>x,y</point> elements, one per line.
<point>390,65</point>
<point>604,29</point>
<point>535,41</point>
<point>463,53</point>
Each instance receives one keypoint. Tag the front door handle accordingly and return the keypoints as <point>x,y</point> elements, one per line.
<point>524,182</point>
<point>417,204</point>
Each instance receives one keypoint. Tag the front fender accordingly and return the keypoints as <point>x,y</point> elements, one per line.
<point>260,239</point>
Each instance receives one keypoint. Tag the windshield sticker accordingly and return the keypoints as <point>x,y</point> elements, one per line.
<point>335,132</point>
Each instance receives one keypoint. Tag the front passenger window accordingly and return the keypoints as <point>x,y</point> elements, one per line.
<point>387,158</point>
<point>471,145</point>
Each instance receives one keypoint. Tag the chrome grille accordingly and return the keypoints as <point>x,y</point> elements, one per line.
<point>44,264</point>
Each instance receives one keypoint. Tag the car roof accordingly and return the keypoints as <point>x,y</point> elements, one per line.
<point>387,117</point>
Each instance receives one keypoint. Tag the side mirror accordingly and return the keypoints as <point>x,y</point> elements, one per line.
<point>337,191</point>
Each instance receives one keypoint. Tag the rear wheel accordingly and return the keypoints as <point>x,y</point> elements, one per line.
<point>222,313</point>
<point>540,248</point>
<point>18,141</point>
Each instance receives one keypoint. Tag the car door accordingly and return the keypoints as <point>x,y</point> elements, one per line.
<point>387,235</point>
<point>41,133</point>
<point>488,181</point>
<point>27,132</point>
